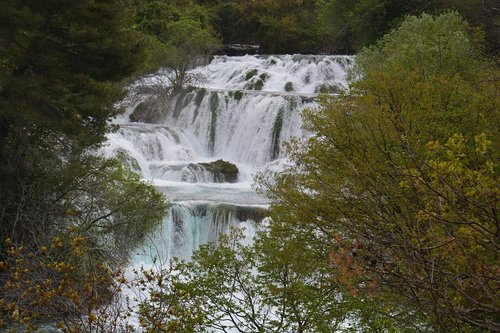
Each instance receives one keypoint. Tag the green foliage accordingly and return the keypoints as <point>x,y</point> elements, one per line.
<point>352,25</point>
<point>285,26</point>
<point>272,286</point>
<point>60,63</point>
<point>120,208</point>
<point>63,286</point>
<point>277,26</point>
<point>400,178</point>
<point>87,197</point>
<point>180,36</point>
<point>63,67</point>
<point>445,45</point>
<point>334,26</point>
<point>482,14</point>
<point>60,263</point>
<point>359,23</point>
<point>61,71</point>
<point>236,22</point>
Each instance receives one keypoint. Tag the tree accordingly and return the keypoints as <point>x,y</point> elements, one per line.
<point>63,285</point>
<point>180,37</point>
<point>60,63</point>
<point>353,25</point>
<point>276,26</point>
<point>63,66</point>
<point>483,15</point>
<point>274,285</point>
<point>74,232</point>
<point>236,22</point>
<point>401,178</point>
<point>285,26</point>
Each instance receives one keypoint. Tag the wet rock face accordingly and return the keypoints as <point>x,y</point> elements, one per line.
<point>223,171</point>
<point>213,172</point>
<point>256,214</point>
<point>148,111</point>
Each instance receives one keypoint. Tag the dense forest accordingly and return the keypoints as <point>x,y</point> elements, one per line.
<point>387,221</point>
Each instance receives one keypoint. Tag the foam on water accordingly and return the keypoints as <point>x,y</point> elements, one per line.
<point>306,72</point>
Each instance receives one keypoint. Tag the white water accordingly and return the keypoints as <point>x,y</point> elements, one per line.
<point>306,72</point>
<point>226,118</point>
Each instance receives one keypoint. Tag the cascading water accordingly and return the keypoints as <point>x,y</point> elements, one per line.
<point>247,107</point>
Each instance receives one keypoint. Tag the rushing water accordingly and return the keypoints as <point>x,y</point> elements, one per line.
<point>246,108</point>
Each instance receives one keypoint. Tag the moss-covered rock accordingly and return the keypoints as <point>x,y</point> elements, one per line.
<point>223,171</point>
<point>305,99</point>
<point>255,82</point>
<point>258,84</point>
<point>256,214</point>
<point>293,101</point>
<point>250,74</point>
<point>255,85</point>
<point>200,94</point>
<point>242,213</point>
<point>277,126</point>
<point>214,104</point>
<point>238,95</point>
<point>289,86</point>
<point>184,97</point>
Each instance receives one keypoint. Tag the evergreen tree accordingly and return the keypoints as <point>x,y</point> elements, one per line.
<point>68,217</point>
<point>61,62</point>
<point>180,37</point>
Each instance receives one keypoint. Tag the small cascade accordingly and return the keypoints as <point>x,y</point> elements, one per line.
<point>190,173</point>
<point>216,136</point>
<point>241,126</point>
<point>191,224</point>
<point>144,144</point>
<point>300,74</point>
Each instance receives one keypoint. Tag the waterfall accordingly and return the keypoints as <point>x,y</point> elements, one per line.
<point>190,224</point>
<point>216,136</point>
